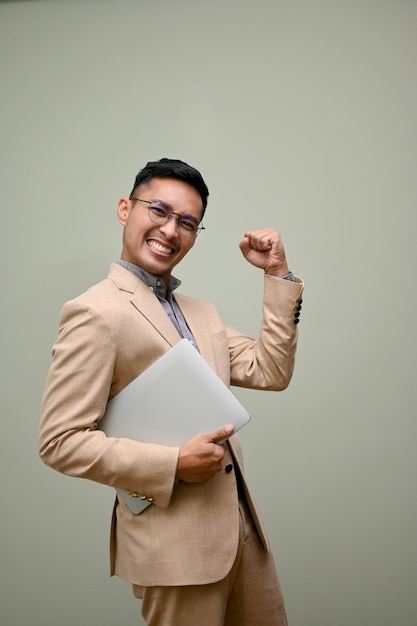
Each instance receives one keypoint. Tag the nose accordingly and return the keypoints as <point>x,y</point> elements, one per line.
<point>170,228</point>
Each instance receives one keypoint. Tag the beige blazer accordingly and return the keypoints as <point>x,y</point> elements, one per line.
<point>107,337</point>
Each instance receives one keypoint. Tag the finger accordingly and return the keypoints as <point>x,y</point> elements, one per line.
<point>222,433</point>
<point>259,240</point>
<point>245,245</point>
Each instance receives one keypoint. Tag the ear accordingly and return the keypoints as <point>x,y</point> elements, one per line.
<point>123,210</point>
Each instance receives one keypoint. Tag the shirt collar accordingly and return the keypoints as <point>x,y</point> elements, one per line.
<point>151,280</point>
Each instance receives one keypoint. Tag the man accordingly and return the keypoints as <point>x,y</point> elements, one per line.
<point>198,554</point>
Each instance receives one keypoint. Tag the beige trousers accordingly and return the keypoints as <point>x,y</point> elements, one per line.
<point>249,596</point>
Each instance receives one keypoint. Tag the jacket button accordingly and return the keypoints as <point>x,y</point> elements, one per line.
<point>228,468</point>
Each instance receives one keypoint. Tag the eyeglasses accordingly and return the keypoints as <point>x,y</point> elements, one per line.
<point>160,213</point>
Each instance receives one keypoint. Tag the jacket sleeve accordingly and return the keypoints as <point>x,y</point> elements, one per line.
<point>77,389</point>
<point>268,362</point>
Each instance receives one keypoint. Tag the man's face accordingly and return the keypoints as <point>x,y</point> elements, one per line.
<point>157,248</point>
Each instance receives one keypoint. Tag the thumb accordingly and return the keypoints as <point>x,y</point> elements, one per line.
<point>220,435</point>
<point>244,245</point>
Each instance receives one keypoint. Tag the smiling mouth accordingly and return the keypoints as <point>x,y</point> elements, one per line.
<point>158,247</point>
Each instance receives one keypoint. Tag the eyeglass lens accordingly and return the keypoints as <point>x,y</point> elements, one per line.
<point>161,213</point>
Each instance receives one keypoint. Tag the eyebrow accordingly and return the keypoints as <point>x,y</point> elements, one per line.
<point>182,216</point>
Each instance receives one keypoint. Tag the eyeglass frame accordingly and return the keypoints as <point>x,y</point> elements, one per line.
<point>178,216</point>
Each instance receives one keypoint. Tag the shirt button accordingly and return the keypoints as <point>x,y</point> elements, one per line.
<point>228,468</point>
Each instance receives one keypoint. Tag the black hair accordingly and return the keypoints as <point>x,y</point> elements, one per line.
<point>173,168</point>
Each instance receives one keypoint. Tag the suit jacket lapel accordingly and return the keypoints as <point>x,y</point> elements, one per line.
<point>145,302</point>
<point>148,305</point>
<point>197,323</point>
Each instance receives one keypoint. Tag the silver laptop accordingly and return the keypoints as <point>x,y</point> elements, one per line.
<point>176,398</point>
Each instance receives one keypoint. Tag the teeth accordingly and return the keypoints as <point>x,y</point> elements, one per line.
<point>159,247</point>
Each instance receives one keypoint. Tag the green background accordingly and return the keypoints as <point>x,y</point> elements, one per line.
<point>300,115</point>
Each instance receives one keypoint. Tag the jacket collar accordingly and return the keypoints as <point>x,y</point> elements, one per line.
<point>144,301</point>
<point>148,305</point>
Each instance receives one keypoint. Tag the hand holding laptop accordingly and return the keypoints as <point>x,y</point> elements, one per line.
<point>200,457</point>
